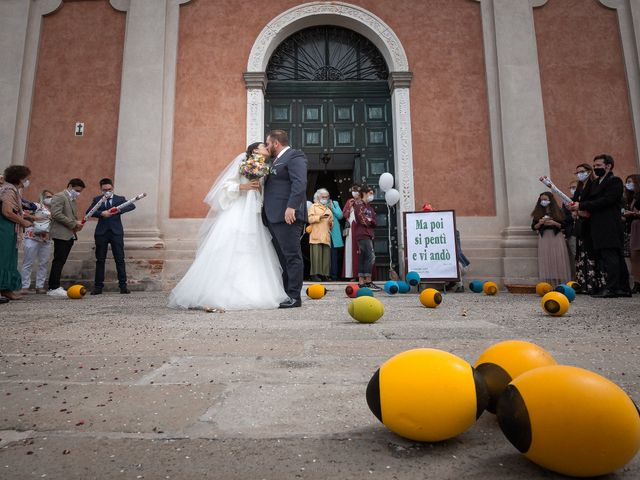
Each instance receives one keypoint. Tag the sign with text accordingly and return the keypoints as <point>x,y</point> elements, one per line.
<point>430,244</point>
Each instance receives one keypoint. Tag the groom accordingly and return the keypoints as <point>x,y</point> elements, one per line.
<point>285,210</point>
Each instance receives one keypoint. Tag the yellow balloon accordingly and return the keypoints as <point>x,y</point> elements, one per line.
<point>570,420</point>
<point>430,297</point>
<point>490,288</point>
<point>426,395</point>
<point>543,288</point>
<point>316,291</point>
<point>76,291</point>
<point>505,361</point>
<point>555,304</point>
<point>366,309</point>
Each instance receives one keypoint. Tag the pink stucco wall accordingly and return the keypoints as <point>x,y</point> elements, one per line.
<point>584,87</point>
<point>77,79</point>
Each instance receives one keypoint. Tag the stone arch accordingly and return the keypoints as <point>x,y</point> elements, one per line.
<point>380,34</point>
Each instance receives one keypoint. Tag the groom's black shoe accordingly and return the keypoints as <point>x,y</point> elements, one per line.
<point>291,303</point>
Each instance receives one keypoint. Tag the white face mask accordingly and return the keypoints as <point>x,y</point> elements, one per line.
<point>370,198</point>
<point>47,201</point>
<point>355,194</point>
<point>26,183</point>
<point>582,176</point>
<point>108,194</point>
<point>323,201</point>
<point>545,203</point>
<point>630,186</point>
<point>74,194</point>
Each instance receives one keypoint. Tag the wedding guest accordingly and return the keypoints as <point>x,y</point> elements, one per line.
<point>336,239</point>
<point>588,272</point>
<point>350,265</point>
<point>604,202</point>
<point>12,222</point>
<point>553,257</point>
<point>366,221</point>
<point>632,226</point>
<point>64,226</point>
<point>37,244</point>
<point>321,222</point>
<point>109,231</point>
<point>568,229</point>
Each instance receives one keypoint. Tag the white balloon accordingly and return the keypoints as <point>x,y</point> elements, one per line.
<point>392,196</point>
<point>385,181</point>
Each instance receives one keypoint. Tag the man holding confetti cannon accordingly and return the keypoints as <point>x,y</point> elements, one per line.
<point>107,208</point>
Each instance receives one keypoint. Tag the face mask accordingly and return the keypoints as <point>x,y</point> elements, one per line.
<point>26,183</point>
<point>108,194</point>
<point>370,198</point>
<point>47,201</point>
<point>544,203</point>
<point>599,171</point>
<point>323,201</point>
<point>572,190</point>
<point>355,194</point>
<point>74,194</point>
<point>630,186</point>
<point>582,176</point>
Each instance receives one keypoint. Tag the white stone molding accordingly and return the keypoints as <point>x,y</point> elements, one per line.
<point>38,8</point>
<point>629,22</point>
<point>537,3</point>
<point>14,20</point>
<point>383,37</point>
<point>121,5</point>
<point>170,66</point>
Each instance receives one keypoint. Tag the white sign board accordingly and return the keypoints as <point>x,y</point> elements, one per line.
<point>430,244</point>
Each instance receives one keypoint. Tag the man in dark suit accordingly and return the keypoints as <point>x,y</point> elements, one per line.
<point>109,231</point>
<point>285,211</point>
<point>604,202</point>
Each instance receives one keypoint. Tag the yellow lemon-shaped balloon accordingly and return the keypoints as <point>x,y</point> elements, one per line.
<point>575,285</point>
<point>430,297</point>
<point>76,291</point>
<point>505,361</point>
<point>366,309</point>
<point>426,395</point>
<point>316,291</point>
<point>555,304</point>
<point>490,288</point>
<point>543,288</point>
<point>570,420</point>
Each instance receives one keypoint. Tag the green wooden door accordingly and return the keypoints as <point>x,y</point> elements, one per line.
<point>345,128</point>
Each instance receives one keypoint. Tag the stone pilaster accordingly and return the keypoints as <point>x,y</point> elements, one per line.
<point>522,140</point>
<point>629,21</point>
<point>145,128</point>
<point>20,24</point>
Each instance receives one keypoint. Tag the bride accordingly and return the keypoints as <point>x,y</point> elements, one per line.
<point>236,266</point>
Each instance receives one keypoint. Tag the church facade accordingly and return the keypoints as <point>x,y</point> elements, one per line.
<point>466,102</point>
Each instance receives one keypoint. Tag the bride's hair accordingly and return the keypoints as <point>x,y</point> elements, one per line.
<point>252,147</point>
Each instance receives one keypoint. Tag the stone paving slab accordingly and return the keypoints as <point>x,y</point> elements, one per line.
<point>159,393</point>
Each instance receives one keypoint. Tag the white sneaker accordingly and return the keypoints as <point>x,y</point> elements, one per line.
<point>58,292</point>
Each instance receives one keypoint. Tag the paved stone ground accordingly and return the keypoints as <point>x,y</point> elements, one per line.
<point>120,387</point>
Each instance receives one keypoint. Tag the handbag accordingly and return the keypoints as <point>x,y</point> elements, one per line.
<point>42,226</point>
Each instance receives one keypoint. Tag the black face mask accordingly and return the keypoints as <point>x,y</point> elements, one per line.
<point>599,171</point>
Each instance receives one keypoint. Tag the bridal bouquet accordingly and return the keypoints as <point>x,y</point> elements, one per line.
<point>254,167</point>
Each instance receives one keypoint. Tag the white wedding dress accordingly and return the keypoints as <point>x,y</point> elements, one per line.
<point>236,266</point>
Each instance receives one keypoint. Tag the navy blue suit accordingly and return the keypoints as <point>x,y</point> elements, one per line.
<point>109,231</point>
<point>284,188</point>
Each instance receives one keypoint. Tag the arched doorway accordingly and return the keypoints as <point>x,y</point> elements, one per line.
<point>327,86</point>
